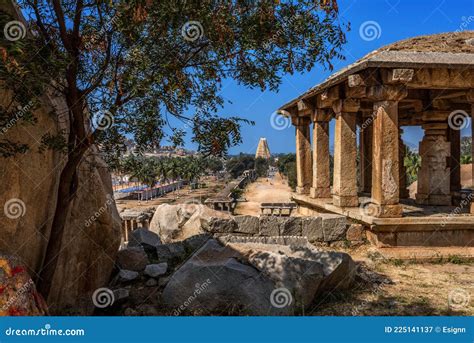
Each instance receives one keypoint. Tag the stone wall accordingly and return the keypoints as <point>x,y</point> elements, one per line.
<point>322,228</point>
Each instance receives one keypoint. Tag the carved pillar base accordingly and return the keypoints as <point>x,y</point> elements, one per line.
<point>320,192</point>
<point>434,175</point>
<point>345,201</point>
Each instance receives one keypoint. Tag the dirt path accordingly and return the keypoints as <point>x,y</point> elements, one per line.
<point>275,189</point>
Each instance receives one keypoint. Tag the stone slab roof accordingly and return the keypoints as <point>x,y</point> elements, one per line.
<point>446,50</point>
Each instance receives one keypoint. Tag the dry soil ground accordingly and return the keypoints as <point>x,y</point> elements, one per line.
<point>397,288</point>
<point>274,189</point>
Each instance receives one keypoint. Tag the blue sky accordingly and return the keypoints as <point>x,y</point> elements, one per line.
<point>397,19</point>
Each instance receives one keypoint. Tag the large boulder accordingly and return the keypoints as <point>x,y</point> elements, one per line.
<point>256,278</point>
<point>18,295</point>
<point>178,222</point>
<point>144,238</point>
<point>30,182</point>
<point>214,281</point>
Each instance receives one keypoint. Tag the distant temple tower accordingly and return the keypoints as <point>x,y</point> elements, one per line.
<point>262,149</point>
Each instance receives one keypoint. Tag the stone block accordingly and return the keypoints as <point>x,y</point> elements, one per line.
<point>154,270</point>
<point>221,225</point>
<point>291,226</point>
<point>355,232</point>
<point>312,228</point>
<point>247,224</point>
<point>134,259</point>
<point>269,226</point>
<point>334,227</point>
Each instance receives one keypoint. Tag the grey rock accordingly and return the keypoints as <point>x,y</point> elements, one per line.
<point>221,225</point>
<point>154,270</point>
<point>339,268</point>
<point>334,227</point>
<point>312,228</point>
<point>247,224</point>
<point>224,283</point>
<point>269,226</point>
<point>127,275</point>
<point>291,226</point>
<point>140,237</point>
<point>163,253</point>
<point>120,294</point>
<point>133,258</point>
<point>177,251</point>
<point>194,243</point>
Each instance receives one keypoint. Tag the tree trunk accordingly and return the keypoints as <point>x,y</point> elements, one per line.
<point>78,144</point>
<point>66,191</point>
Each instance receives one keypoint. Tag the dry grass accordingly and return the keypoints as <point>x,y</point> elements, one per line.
<point>399,288</point>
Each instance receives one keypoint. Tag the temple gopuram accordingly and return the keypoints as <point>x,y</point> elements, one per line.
<point>425,81</point>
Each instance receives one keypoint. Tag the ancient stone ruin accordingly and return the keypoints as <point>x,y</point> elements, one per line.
<point>425,81</point>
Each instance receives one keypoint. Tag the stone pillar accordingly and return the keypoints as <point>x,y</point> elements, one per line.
<point>385,160</point>
<point>454,137</point>
<point>401,167</point>
<point>345,154</point>
<point>321,178</point>
<point>365,144</point>
<point>303,155</point>
<point>434,175</point>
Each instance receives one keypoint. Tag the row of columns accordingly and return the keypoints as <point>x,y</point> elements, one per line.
<point>382,154</point>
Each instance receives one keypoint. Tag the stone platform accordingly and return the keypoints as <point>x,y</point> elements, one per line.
<point>420,225</point>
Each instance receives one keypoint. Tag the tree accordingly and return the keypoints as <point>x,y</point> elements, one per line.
<point>238,164</point>
<point>123,67</point>
<point>261,166</point>
<point>412,163</point>
<point>466,150</point>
